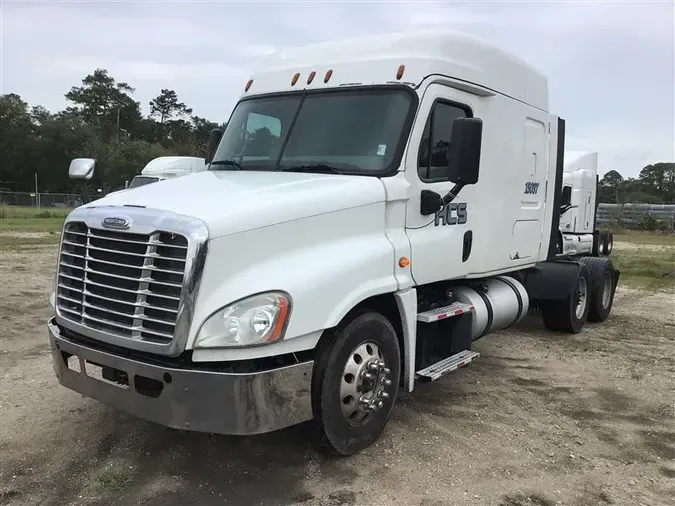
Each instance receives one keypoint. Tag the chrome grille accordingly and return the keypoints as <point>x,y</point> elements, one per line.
<point>124,284</point>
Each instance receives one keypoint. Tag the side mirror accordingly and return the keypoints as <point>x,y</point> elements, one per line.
<point>214,140</point>
<point>81,168</point>
<point>566,199</point>
<point>465,144</point>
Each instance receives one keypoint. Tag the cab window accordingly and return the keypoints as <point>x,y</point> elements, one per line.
<point>433,159</point>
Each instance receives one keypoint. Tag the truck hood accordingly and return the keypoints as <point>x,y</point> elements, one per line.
<point>230,202</point>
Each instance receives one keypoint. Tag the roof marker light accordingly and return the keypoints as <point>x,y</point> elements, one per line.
<point>295,78</point>
<point>310,77</point>
<point>399,72</point>
<point>329,73</point>
<point>248,85</point>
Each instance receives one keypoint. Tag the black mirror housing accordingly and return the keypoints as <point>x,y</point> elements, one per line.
<point>464,155</point>
<point>566,199</point>
<point>214,140</point>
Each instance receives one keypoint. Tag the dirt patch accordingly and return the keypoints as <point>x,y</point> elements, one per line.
<point>21,234</point>
<point>539,419</point>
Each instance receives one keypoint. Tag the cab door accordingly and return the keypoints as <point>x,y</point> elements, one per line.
<point>441,243</point>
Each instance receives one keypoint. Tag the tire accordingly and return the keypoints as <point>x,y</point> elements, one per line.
<point>602,242</point>
<point>343,359</point>
<point>559,243</point>
<point>608,245</point>
<point>597,245</point>
<point>602,288</point>
<point>562,315</point>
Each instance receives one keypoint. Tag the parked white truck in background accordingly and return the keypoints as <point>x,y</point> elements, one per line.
<point>167,167</point>
<point>372,208</point>
<point>578,232</point>
<point>157,169</point>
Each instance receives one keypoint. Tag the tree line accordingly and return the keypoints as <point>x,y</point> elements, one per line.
<point>654,185</point>
<point>103,121</point>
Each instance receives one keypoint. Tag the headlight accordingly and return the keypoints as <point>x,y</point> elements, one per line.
<point>52,293</point>
<point>259,319</point>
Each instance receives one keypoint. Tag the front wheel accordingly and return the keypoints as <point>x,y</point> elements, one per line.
<point>355,382</point>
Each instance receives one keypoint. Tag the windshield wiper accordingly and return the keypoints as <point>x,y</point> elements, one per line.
<point>229,163</point>
<point>319,167</point>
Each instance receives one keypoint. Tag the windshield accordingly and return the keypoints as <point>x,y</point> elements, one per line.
<point>353,131</point>
<point>142,180</point>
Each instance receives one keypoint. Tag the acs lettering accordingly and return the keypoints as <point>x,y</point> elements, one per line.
<point>447,217</point>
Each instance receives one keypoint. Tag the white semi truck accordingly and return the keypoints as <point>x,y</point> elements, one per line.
<point>372,208</point>
<point>157,169</point>
<point>167,167</point>
<point>578,232</point>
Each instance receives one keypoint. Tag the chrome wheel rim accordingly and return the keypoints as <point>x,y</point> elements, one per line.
<point>582,289</point>
<point>610,243</point>
<point>606,290</point>
<point>365,383</point>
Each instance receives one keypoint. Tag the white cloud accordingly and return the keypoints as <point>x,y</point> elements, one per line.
<point>611,65</point>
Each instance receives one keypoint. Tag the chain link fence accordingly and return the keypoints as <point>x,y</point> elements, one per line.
<point>39,200</point>
<point>638,216</point>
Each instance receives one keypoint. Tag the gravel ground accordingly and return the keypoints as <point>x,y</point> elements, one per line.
<point>540,419</point>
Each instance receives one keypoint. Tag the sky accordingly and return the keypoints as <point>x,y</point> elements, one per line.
<point>610,65</point>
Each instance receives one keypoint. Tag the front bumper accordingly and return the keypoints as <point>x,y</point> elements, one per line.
<point>191,399</point>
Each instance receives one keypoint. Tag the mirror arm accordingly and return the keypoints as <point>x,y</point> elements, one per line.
<point>84,189</point>
<point>451,195</point>
<point>431,202</point>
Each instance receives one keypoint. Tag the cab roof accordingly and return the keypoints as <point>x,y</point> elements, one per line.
<point>575,160</point>
<point>375,59</point>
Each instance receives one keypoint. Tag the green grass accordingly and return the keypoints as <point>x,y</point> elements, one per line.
<point>647,238</point>
<point>652,269</point>
<point>31,224</point>
<point>25,212</point>
<point>114,478</point>
<point>31,219</point>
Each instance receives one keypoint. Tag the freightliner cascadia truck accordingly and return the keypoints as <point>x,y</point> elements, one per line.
<point>579,234</point>
<point>372,208</point>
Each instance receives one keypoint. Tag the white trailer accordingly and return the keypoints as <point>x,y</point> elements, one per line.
<point>372,208</point>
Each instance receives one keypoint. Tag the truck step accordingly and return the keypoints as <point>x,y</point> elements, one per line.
<point>440,313</point>
<point>447,365</point>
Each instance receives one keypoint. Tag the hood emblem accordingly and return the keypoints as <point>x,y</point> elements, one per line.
<point>115,222</point>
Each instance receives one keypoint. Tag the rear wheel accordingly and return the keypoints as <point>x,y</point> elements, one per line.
<point>608,244</point>
<point>559,243</point>
<point>597,244</point>
<point>602,288</point>
<point>602,242</point>
<point>569,314</point>
<point>355,382</point>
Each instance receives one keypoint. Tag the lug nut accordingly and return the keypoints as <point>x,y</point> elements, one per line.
<point>380,404</point>
<point>386,382</point>
<point>366,375</point>
<point>373,366</point>
<point>382,394</point>
<point>386,371</point>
